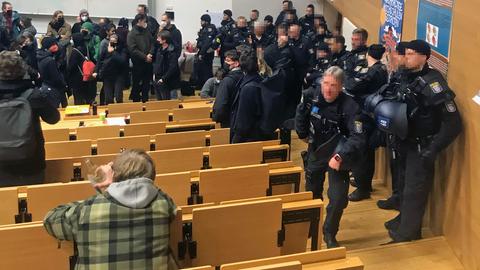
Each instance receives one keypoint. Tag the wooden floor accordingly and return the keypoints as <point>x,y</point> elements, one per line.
<point>362,232</point>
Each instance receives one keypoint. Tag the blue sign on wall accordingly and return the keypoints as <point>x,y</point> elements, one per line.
<point>434,24</point>
<point>391,19</point>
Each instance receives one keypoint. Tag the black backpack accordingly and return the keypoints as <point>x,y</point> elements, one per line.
<point>17,136</point>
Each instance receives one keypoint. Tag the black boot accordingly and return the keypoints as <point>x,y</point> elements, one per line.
<point>388,204</point>
<point>330,240</point>
<point>358,195</point>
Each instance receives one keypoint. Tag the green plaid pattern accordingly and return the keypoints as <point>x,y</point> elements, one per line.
<point>112,236</point>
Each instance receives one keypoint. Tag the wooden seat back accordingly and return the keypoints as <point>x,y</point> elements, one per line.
<point>253,228</point>
<point>68,149</point>
<point>178,160</point>
<point>180,140</point>
<point>191,114</point>
<point>56,135</point>
<point>176,185</point>
<point>43,198</point>
<point>116,145</point>
<point>219,136</point>
<point>145,129</point>
<point>222,156</point>
<point>234,183</point>
<point>162,105</point>
<point>98,132</point>
<point>30,247</point>
<point>60,169</point>
<point>9,203</point>
<point>124,108</point>
<point>138,117</point>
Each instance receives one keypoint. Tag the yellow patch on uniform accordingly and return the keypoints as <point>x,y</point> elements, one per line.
<point>436,87</point>
<point>358,127</point>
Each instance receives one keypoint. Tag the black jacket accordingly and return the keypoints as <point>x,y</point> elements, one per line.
<point>227,90</point>
<point>140,43</point>
<point>111,65</point>
<point>165,65</point>
<point>366,82</point>
<point>355,60</point>
<point>246,111</point>
<point>42,107</point>
<point>75,63</point>
<point>263,42</point>
<point>319,120</point>
<point>338,59</point>
<point>206,35</point>
<point>239,36</point>
<point>49,72</point>
<point>176,38</point>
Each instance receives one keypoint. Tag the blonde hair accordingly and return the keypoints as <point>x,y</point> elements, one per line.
<point>131,164</point>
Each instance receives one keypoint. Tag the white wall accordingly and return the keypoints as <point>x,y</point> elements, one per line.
<point>347,29</point>
<point>188,13</point>
<point>272,7</point>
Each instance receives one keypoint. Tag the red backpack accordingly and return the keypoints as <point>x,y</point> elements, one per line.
<point>88,67</point>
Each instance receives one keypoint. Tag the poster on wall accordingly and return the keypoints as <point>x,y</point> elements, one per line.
<point>434,25</point>
<point>391,18</point>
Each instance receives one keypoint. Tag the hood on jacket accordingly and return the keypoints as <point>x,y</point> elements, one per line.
<point>134,193</point>
<point>42,54</point>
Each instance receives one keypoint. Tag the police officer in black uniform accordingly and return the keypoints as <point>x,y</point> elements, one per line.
<point>318,67</point>
<point>356,59</point>
<point>433,123</point>
<point>240,34</point>
<point>303,53</point>
<point>331,123</point>
<point>204,58</point>
<point>367,81</point>
<point>269,27</point>
<point>397,159</point>
<point>307,21</point>
<point>224,32</point>
<point>338,50</point>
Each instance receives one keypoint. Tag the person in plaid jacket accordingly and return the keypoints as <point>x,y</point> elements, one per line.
<point>124,226</point>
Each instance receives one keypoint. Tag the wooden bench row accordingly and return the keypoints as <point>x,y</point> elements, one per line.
<point>177,160</point>
<point>250,229</point>
<point>217,136</point>
<point>31,203</point>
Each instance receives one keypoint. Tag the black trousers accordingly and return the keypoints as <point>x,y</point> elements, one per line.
<point>204,69</point>
<point>141,77</point>
<point>364,173</point>
<point>113,88</point>
<point>338,184</point>
<point>163,91</point>
<point>416,185</point>
<point>397,170</point>
<point>85,93</point>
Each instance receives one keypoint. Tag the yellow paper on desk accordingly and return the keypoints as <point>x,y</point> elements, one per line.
<point>77,110</point>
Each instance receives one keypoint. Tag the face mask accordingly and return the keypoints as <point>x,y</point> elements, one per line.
<point>226,66</point>
<point>84,18</point>
<point>9,12</point>
<point>163,24</point>
<point>61,20</point>
<point>53,49</point>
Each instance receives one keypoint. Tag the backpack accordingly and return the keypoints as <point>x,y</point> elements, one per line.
<point>273,102</point>
<point>17,139</point>
<point>88,67</point>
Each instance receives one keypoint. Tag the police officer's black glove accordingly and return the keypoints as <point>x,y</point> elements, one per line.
<point>428,156</point>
